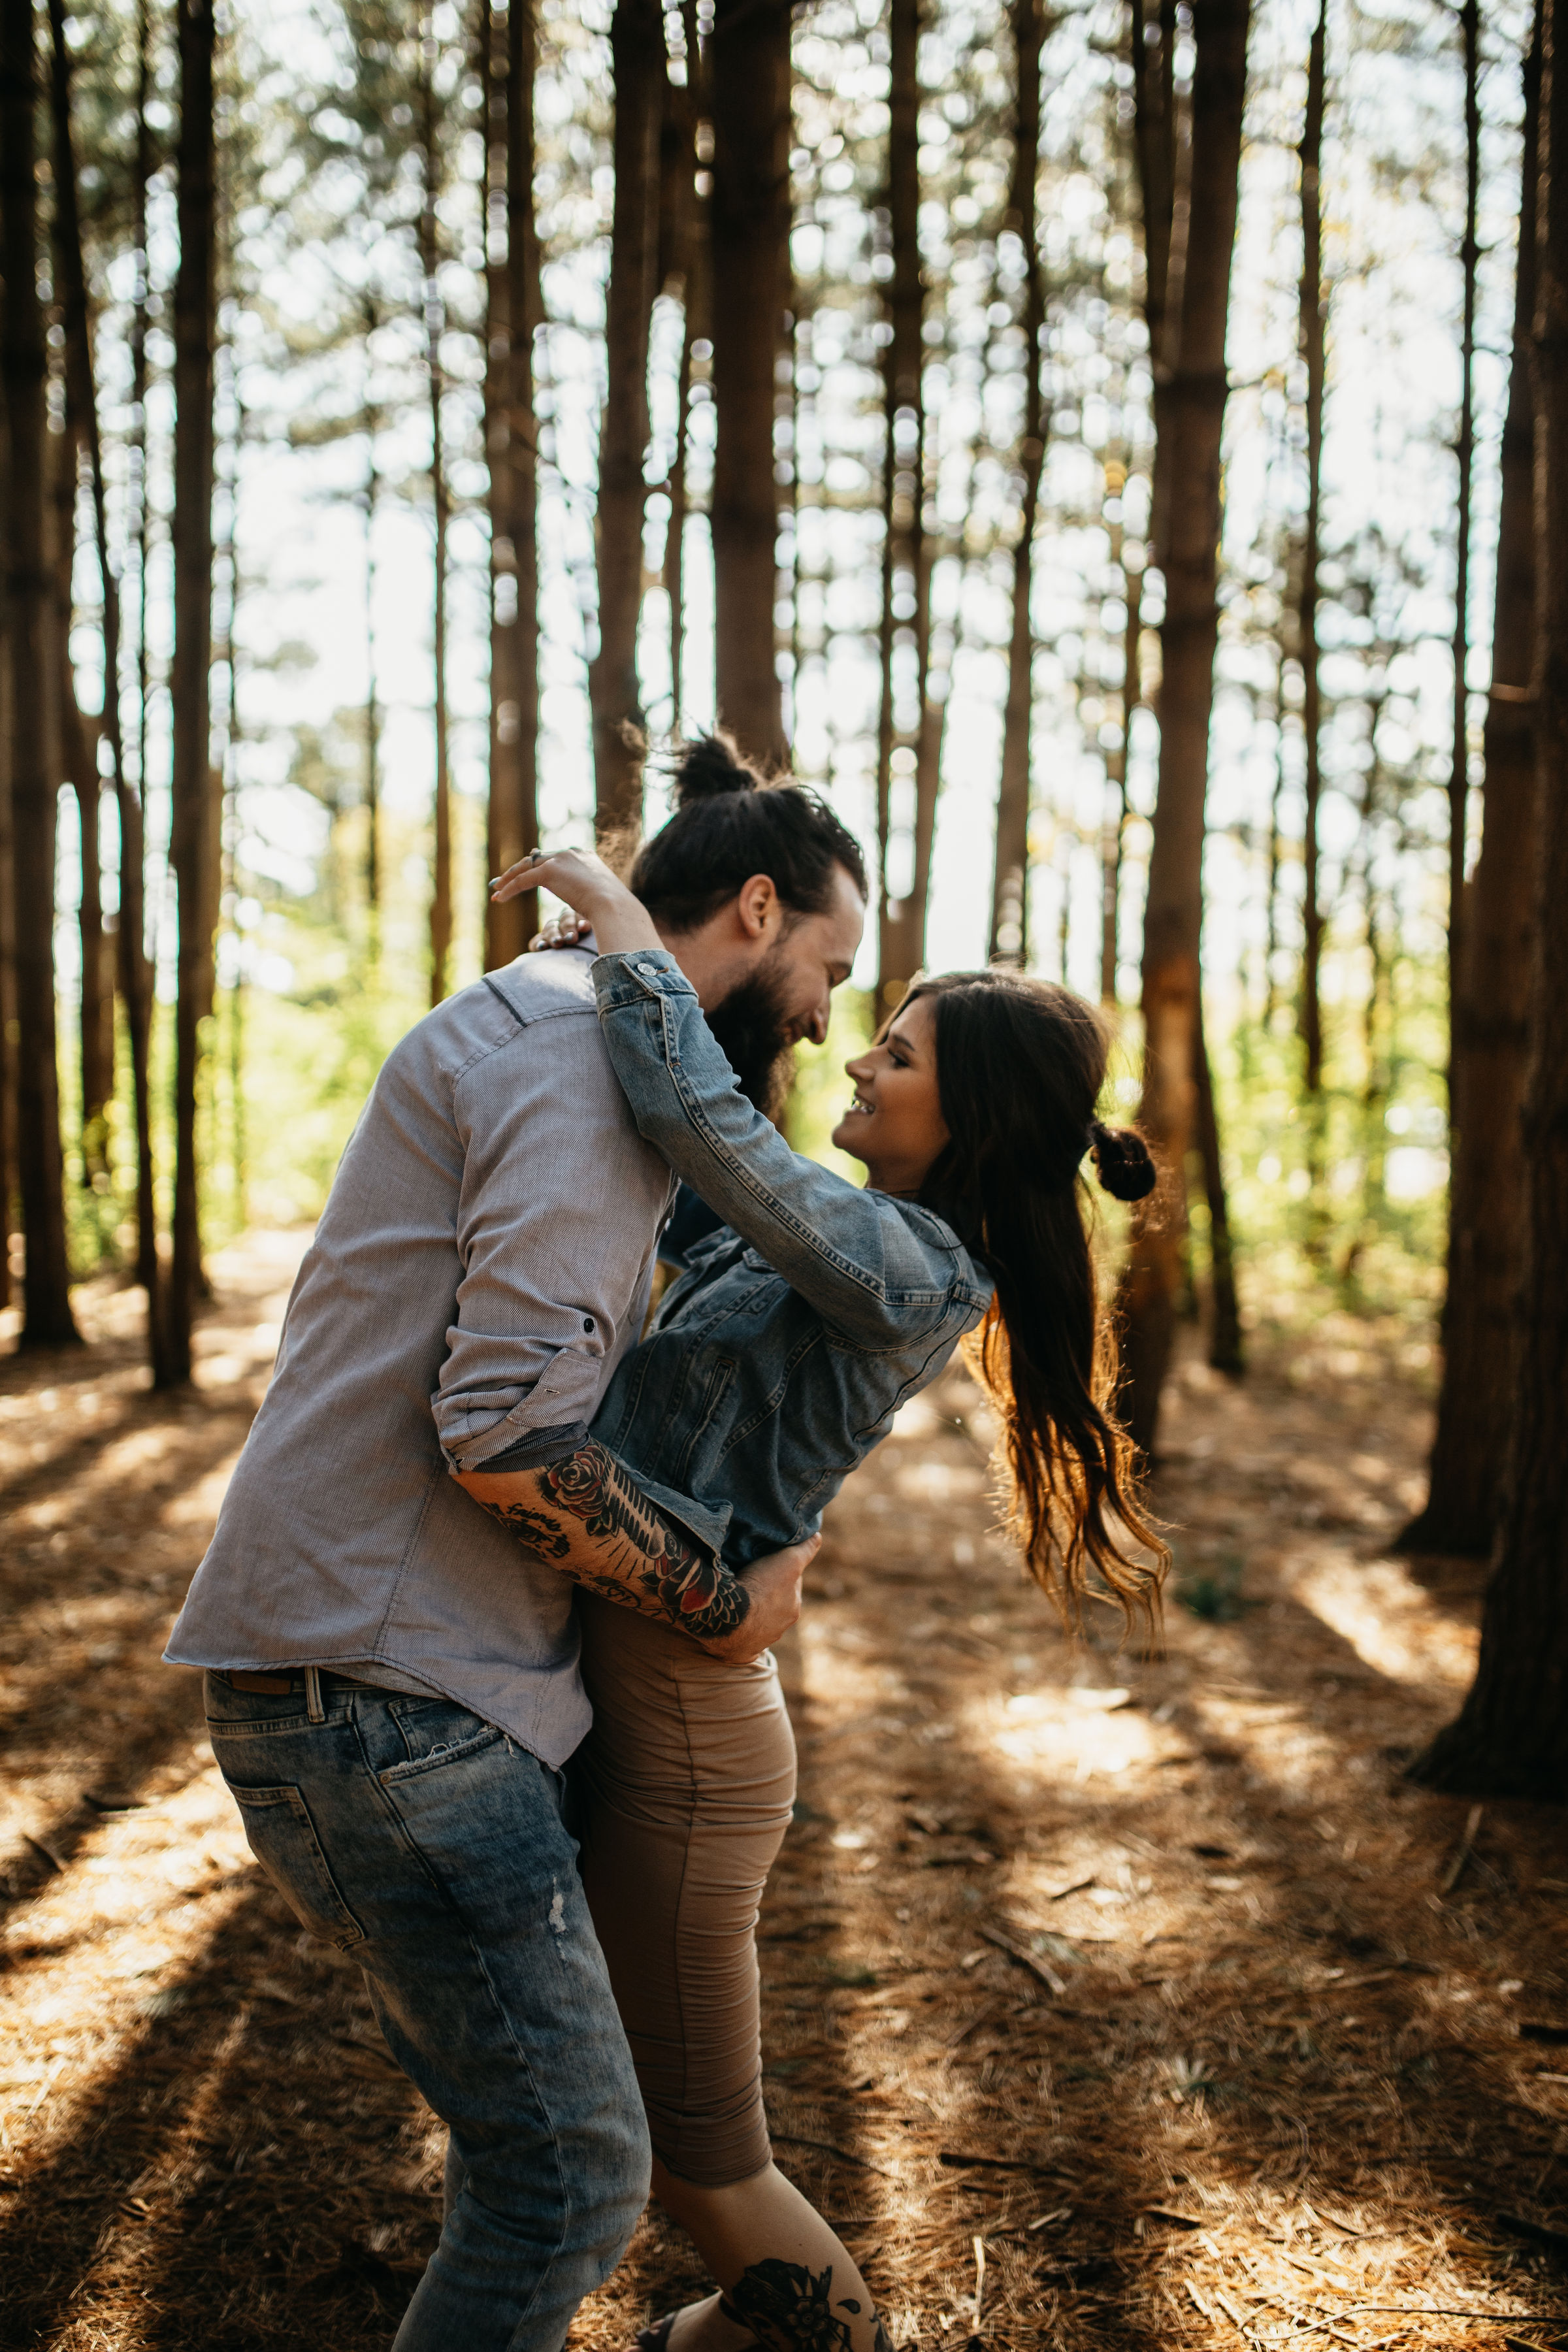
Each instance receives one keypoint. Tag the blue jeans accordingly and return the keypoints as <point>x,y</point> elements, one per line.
<point>422,1842</point>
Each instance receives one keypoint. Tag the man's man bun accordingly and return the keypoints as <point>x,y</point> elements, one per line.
<point>732,821</point>
<point>710,766</point>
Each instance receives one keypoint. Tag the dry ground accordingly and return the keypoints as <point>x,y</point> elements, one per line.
<point>1151,1985</point>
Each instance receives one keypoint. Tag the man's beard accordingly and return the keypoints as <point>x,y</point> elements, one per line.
<point>753,1029</point>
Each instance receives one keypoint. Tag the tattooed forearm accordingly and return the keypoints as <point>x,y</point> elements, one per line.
<point>588,1517</point>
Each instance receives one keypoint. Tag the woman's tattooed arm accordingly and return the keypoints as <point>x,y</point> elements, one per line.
<point>588,1516</point>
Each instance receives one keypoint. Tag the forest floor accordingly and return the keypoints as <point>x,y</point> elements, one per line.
<point>1140,2002</point>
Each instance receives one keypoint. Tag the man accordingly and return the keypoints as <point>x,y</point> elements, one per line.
<point>392,1684</point>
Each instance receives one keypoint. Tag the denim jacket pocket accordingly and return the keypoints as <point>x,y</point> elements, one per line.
<point>282,1836</point>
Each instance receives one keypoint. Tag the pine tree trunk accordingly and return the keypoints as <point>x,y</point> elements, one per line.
<point>636,50</point>
<point>906,571</point>
<point>1009,941</point>
<point>1116,829</point>
<point>750,211</point>
<point>1312,339</point>
<point>1463,450</point>
<point>47,1319</point>
<point>81,742</point>
<point>8,909</point>
<point>692,254</point>
<point>512,826</point>
<point>78,741</point>
<point>1490,1034</point>
<point>1188,488</point>
<point>194,817</point>
<point>1226,1353</point>
<point>440,505</point>
<point>1512,1735</point>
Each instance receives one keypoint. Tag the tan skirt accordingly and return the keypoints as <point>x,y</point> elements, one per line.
<point>685,1785</point>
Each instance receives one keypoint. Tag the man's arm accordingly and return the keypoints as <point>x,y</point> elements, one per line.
<point>586,1516</point>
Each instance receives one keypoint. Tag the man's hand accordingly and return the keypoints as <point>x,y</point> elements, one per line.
<point>773,1586</point>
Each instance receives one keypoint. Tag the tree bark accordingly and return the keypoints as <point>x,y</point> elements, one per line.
<point>1188,485</point>
<point>906,569</point>
<point>440,504</point>
<point>136,978</point>
<point>636,51</point>
<point>1464,451</point>
<point>47,1316</point>
<point>82,431</point>
<point>1226,1353</point>
<point>1312,343</point>
<point>78,741</point>
<point>513,825</point>
<point>1491,1031</point>
<point>1009,941</point>
<point>1512,1735</point>
<point>750,211</point>
<point>1116,825</point>
<point>684,234</point>
<point>194,820</point>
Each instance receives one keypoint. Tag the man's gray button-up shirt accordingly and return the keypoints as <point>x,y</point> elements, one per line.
<point>480,1267</point>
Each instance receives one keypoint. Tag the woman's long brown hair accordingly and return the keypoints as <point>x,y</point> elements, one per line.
<point>1020,1064</point>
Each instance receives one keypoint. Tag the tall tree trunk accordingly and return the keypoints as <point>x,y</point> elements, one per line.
<point>136,975</point>
<point>78,741</point>
<point>8,909</point>
<point>1512,1735</point>
<point>906,573</point>
<point>440,505</point>
<point>1225,1350</point>
<point>47,1318</point>
<point>1312,340</point>
<point>1116,826</point>
<point>1159,157</point>
<point>513,825</point>
<point>686,214</point>
<point>194,821</point>
<point>81,406</point>
<point>1010,880</point>
<point>1463,450</point>
<point>636,50</point>
<point>1188,486</point>
<point>1491,1033</point>
<point>750,48</point>
<point>135,964</point>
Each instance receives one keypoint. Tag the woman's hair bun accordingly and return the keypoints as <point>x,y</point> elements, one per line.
<point>1123,1159</point>
<point>709,767</point>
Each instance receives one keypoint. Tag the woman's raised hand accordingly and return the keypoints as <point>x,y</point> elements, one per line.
<point>598,898</point>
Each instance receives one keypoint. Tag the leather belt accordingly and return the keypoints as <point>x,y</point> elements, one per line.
<point>276,1685</point>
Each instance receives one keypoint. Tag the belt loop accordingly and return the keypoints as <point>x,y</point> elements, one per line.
<point>315,1711</point>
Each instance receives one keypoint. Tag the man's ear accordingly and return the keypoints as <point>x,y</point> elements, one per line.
<point>760,908</point>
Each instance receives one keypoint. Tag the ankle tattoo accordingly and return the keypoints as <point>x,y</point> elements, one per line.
<point>790,2308</point>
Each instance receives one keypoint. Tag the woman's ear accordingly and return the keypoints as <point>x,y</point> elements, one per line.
<point>760,908</point>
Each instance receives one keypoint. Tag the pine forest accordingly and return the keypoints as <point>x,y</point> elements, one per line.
<point>1116,455</point>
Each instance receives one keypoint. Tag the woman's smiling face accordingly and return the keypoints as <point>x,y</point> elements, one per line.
<point>895,1123</point>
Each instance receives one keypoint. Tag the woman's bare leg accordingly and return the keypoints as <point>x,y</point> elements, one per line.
<point>789,2281</point>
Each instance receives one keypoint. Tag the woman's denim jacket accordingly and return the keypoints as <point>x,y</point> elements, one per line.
<point>781,1355</point>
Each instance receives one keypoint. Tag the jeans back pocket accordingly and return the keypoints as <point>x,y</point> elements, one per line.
<point>283,1837</point>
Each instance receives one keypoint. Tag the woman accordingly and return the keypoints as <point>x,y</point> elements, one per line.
<point>774,1364</point>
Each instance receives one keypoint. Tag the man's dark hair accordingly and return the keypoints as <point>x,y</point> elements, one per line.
<point>730,823</point>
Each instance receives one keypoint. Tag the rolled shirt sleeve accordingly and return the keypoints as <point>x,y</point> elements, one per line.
<point>559,1208</point>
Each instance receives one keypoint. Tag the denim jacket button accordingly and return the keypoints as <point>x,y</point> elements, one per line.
<point>646,972</point>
